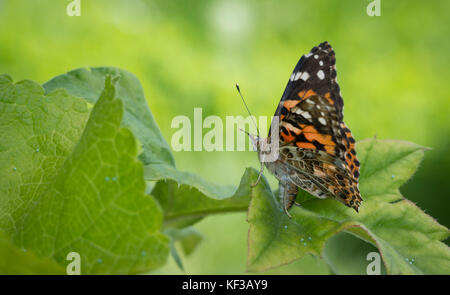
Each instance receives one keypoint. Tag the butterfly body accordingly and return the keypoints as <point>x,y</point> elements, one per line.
<point>316,149</point>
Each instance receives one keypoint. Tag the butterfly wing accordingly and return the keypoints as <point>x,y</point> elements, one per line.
<point>315,72</point>
<point>316,147</point>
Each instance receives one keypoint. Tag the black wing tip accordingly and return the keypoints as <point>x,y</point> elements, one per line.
<point>325,45</point>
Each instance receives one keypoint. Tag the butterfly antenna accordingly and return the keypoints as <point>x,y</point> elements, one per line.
<point>257,130</point>
<point>253,118</point>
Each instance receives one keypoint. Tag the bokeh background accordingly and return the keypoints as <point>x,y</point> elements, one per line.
<point>393,71</point>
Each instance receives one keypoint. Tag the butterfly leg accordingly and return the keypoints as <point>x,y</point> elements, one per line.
<point>261,170</point>
<point>288,192</point>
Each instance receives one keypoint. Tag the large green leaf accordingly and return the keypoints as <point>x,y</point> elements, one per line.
<point>409,241</point>
<point>64,191</point>
<point>37,134</point>
<point>88,84</point>
<point>15,261</point>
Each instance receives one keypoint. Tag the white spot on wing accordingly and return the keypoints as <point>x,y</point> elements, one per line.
<point>322,121</point>
<point>304,76</point>
<point>316,56</point>
<point>306,115</point>
<point>308,55</point>
<point>320,63</point>
<point>297,76</point>
<point>321,75</point>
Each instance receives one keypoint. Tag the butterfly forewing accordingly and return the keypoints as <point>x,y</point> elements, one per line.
<point>317,150</point>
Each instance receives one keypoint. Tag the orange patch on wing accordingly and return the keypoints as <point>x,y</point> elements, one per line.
<point>323,139</point>
<point>308,93</point>
<point>328,97</point>
<point>310,129</point>
<point>312,134</point>
<point>305,145</point>
<point>287,137</point>
<point>330,149</point>
<point>289,104</point>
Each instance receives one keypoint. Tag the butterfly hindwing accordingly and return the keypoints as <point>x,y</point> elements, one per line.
<point>350,152</point>
<point>320,174</point>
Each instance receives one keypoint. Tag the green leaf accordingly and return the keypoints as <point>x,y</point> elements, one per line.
<point>398,228</point>
<point>186,198</point>
<point>89,83</point>
<point>188,237</point>
<point>176,256</point>
<point>15,261</point>
<point>65,191</point>
<point>38,132</point>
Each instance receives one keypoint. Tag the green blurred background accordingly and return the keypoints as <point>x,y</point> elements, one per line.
<point>393,71</point>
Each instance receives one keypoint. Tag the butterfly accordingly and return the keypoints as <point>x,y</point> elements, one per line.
<point>316,150</point>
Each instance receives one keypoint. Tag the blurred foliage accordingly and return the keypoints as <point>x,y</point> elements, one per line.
<point>393,71</point>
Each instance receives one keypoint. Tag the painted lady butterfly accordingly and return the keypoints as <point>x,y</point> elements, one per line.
<point>316,148</point>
